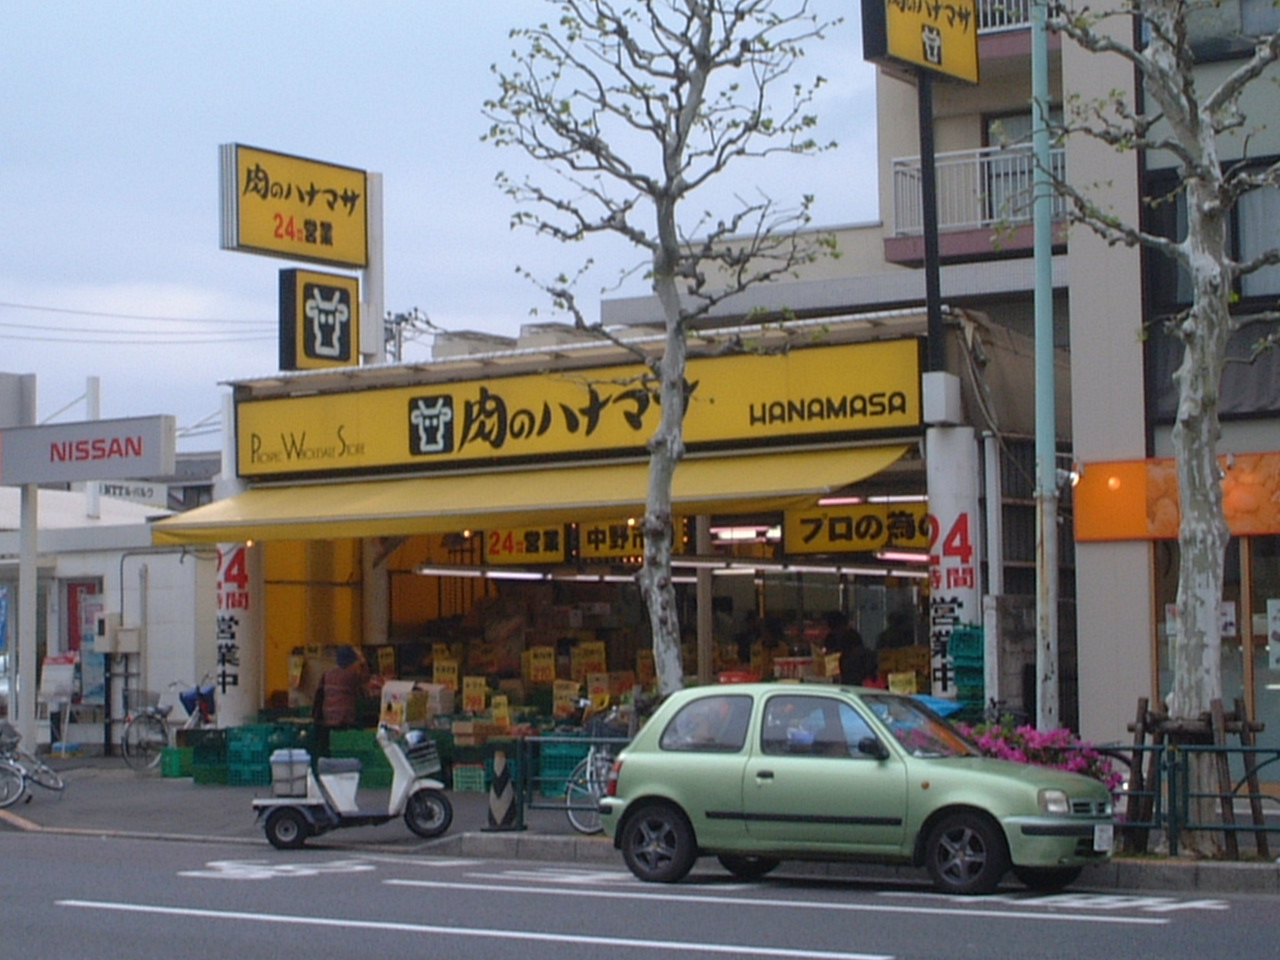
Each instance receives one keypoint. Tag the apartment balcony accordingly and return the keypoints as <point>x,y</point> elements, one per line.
<point>996,15</point>
<point>984,204</point>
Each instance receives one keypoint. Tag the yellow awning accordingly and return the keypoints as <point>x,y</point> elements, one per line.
<point>379,508</point>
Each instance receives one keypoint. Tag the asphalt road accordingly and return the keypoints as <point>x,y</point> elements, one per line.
<point>92,896</point>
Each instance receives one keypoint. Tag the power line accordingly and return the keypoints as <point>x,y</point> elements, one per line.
<point>125,316</point>
<point>195,339</point>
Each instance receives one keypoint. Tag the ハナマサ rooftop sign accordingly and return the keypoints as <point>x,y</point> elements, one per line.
<point>123,449</point>
<point>285,206</point>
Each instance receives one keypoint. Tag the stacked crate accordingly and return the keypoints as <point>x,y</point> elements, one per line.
<point>249,750</point>
<point>965,648</point>
<point>208,754</point>
<point>555,762</point>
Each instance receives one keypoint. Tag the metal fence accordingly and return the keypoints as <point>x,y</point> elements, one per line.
<point>1160,795</point>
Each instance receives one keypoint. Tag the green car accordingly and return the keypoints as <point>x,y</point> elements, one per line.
<point>758,773</point>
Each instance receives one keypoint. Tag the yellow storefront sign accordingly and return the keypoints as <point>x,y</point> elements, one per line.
<point>521,545</point>
<point>829,393</point>
<point>856,528</point>
<point>285,206</point>
<point>610,540</point>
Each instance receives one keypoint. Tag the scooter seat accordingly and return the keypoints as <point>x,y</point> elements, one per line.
<point>338,765</point>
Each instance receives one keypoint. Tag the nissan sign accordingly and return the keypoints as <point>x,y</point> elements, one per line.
<point>89,450</point>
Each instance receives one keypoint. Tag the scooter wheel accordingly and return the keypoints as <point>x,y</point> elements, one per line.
<point>428,813</point>
<point>287,828</point>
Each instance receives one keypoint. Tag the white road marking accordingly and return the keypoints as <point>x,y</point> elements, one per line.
<point>265,870</point>
<point>1088,901</point>
<point>784,904</point>
<point>667,946</point>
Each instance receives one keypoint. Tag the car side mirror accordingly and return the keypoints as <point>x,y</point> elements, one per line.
<point>872,747</point>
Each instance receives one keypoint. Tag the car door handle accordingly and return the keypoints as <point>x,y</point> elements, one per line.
<point>764,774</point>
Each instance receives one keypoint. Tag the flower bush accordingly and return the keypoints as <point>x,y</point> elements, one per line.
<point>1058,748</point>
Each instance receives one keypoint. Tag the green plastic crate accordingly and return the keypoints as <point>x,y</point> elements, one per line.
<point>210,775</point>
<point>469,778</point>
<point>176,761</point>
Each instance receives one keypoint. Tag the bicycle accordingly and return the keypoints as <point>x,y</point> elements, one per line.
<point>146,733</point>
<point>19,768</point>
<point>590,778</point>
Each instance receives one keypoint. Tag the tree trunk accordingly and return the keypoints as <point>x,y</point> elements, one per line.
<point>1202,531</point>
<point>666,448</point>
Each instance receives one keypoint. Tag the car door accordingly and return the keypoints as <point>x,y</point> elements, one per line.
<point>702,755</point>
<point>807,785</point>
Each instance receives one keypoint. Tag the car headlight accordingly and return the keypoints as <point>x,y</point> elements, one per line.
<point>1054,802</point>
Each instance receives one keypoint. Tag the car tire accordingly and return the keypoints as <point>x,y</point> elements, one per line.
<point>1047,879</point>
<point>748,868</point>
<point>658,844</point>
<point>966,854</point>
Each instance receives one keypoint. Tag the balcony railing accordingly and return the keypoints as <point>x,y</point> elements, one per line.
<point>977,189</point>
<point>1003,15</point>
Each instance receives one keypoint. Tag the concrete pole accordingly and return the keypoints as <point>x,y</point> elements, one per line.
<point>1047,709</point>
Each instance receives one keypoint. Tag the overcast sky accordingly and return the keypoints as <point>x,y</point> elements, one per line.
<point>111,114</point>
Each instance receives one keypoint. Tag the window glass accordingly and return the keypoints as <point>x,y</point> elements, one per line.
<point>1258,213</point>
<point>921,731</point>
<point>811,726</point>
<point>710,724</point>
<point>1259,17</point>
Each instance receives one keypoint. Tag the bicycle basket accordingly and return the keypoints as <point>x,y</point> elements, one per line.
<point>9,737</point>
<point>606,727</point>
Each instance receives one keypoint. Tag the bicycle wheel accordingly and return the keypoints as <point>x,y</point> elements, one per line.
<point>582,793</point>
<point>13,784</point>
<point>145,736</point>
<point>40,772</point>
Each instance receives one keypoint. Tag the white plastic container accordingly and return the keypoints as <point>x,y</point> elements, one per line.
<point>289,772</point>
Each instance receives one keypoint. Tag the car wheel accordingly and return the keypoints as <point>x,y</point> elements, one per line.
<point>1047,879</point>
<point>748,868</point>
<point>966,854</point>
<point>658,844</point>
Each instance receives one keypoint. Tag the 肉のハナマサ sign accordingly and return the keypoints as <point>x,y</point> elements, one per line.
<point>285,206</point>
<point>744,401</point>
<point>940,36</point>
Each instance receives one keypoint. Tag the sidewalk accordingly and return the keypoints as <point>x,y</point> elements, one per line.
<point>105,798</point>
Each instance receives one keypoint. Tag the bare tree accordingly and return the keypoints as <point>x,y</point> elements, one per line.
<point>636,107</point>
<point>1183,114</point>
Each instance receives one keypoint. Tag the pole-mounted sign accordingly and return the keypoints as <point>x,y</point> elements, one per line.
<point>291,207</point>
<point>936,35</point>
<point>319,320</point>
<point>88,450</point>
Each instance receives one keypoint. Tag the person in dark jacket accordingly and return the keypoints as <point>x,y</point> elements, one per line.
<point>857,663</point>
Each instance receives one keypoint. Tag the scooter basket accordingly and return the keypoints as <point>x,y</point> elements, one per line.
<point>423,757</point>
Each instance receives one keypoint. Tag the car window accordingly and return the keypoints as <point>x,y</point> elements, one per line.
<point>921,731</point>
<point>812,726</point>
<point>716,724</point>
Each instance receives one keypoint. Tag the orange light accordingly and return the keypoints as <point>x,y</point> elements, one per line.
<point>1113,483</point>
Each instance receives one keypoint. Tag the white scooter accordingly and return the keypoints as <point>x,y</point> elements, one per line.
<point>306,803</point>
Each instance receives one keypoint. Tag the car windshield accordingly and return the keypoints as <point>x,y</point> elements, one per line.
<point>920,731</point>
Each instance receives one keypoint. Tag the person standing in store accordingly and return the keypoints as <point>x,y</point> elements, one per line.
<point>334,707</point>
<point>857,663</point>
